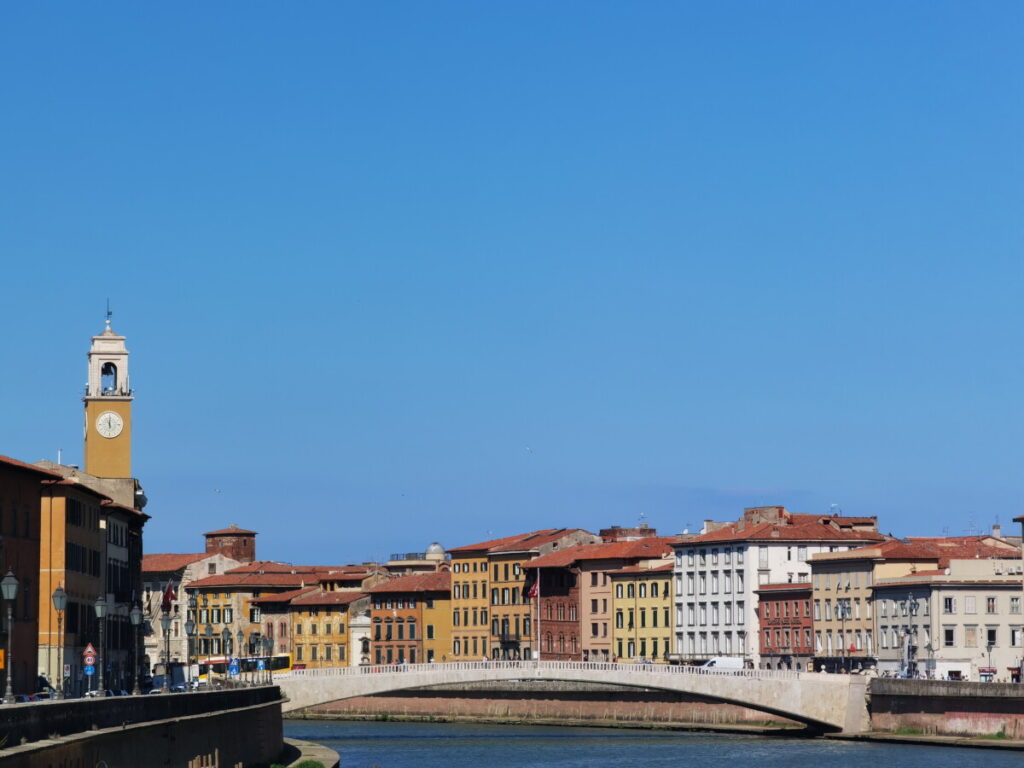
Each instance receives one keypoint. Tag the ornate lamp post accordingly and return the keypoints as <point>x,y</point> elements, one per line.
<point>208,634</point>
<point>190,633</point>
<point>225,641</point>
<point>100,606</point>
<point>165,625</point>
<point>239,639</point>
<point>60,604</point>
<point>135,615</point>
<point>268,647</point>
<point>9,589</point>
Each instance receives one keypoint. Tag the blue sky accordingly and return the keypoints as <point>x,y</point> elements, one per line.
<point>402,272</point>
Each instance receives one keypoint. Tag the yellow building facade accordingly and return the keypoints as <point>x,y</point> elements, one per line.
<point>642,612</point>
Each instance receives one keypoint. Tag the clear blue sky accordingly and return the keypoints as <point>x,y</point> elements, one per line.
<point>398,272</point>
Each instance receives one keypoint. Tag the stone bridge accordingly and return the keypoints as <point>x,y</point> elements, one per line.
<point>831,702</point>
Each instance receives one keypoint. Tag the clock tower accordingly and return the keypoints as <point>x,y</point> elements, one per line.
<point>108,408</point>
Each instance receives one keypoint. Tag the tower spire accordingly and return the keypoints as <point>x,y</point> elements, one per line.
<point>109,314</point>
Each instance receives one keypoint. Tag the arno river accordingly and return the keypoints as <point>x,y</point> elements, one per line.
<point>443,745</point>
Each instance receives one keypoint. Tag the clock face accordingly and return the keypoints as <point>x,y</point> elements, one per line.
<point>109,424</point>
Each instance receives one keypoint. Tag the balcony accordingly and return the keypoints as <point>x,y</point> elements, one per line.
<point>509,637</point>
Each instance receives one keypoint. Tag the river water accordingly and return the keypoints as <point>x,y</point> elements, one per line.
<point>451,745</point>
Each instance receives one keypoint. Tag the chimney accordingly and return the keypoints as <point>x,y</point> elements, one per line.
<point>997,531</point>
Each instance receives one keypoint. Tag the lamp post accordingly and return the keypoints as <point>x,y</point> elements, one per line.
<point>9,589</point>
<point>100,606</point>
<point>208,634</point>
<point>842,606</point>
<point>135,615</point>
<point>268,647</point>
<point>239,640</point>
<point>165,625</point>
<point>190,633</point>
<point>225,640</point>
<point>60,603</point>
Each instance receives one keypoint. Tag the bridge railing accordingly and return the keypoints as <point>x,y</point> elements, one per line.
<point>549,666</point>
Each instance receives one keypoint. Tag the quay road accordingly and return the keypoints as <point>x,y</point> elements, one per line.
<point>831,702</point>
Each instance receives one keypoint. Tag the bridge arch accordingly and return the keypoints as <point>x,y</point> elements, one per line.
<point>828,702</point>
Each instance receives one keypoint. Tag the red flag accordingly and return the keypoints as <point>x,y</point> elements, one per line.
<point>534,590</point>
<point>169,597</point>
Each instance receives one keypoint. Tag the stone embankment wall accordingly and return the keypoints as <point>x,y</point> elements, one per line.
<point>225,728</point>
<point>552,702</point>
<point>936,707</point>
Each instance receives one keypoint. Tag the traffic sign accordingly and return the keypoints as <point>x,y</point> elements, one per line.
<point>233,669</point>
<point>260,665</point>
<point>89,649</point>
<point>89,659</point>
<point>90,669</point>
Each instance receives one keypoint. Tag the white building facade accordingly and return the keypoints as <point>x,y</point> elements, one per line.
<point>716,574</point>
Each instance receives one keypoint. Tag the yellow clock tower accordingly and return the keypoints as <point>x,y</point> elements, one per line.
<point>108,408</point>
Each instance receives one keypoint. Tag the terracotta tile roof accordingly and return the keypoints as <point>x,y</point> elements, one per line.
<point>323,597</point>
<point>417,582</point>
<point>785,587</point>
<point>15,464</point>
<point>270,566</point>
<point>631,569</point>
<point>533,541</point>
<point>162,563</point>
<point>800,528</point>
<point>284,597</point>
<point>513,541</point>
<point>920,549</point>
<point>641,549</point>
<point>108,504</point>
<point>252,580</point>
<point>234,530</point>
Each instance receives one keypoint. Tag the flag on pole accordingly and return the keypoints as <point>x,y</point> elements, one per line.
<point>169,597</point>
<point>534,590</point>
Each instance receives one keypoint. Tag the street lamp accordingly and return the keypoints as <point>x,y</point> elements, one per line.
<point>268,647</point>
<point>225,638</point>
<point>60,603</point>
<point>100,607</point>
<point>239,640</point>
<point>190,634</point>
<point>9,589</point>
<point>135,615</point>
<point>165,625</point>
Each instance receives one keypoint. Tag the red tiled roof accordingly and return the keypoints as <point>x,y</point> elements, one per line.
<point>161,563</point>
<point>234,530</point>
<point>284,597</point>
<point>417,582</point>
<point>666,568</point>
<point>533,541</point>
<point>805,528</point>
<point>788,586</point>
<point>519,538</point>
<point>270,566</point>
<point>108,504</point>
<point>14,463</point>
<point>326,597</point>
<point>648,548</point>
<point>920,549</point>
<point>252,580</point>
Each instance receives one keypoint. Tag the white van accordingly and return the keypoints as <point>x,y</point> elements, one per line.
<point>730,663</point>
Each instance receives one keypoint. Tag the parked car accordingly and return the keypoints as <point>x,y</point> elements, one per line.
<point>24,698</point>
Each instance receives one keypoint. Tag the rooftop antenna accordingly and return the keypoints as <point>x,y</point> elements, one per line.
<point>643,519</point>
<point>971,528</point>
<point>109,314</point>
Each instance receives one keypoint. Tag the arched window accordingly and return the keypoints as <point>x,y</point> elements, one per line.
<point>108,379</point>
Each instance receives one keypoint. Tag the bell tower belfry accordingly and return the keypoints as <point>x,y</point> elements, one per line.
<point>108,407</point>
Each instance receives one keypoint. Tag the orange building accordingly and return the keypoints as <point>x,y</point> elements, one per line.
<point>408,617</point>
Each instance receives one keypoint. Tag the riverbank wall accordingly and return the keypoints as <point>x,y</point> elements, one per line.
<point>216,728</point>
<point>552,702</point>
<point>945,708</point>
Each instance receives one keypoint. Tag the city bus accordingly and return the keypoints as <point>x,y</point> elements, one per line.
<point>215,668</point>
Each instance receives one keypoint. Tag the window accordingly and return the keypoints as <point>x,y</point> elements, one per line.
<point>643,589</point>
<point>948,636</point>
<point>949,605</point>
<point>430,631</point>
<point>990,636</point>
<point>970,604</point>
<point>801,553</point>
<point>1014,605</point>
<point>990,605</point>
<point>618,590</point>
